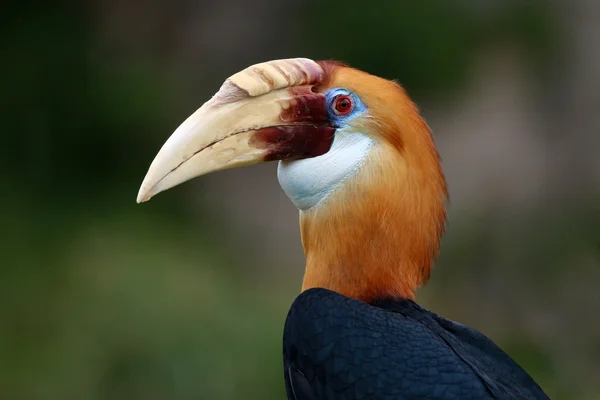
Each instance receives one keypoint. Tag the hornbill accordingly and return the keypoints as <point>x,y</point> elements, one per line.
<point>359,162</point>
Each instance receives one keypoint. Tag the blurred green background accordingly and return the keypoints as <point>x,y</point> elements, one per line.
<point>185,297</point>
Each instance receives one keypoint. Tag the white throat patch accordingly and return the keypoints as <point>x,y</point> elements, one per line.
<point>309,181</point>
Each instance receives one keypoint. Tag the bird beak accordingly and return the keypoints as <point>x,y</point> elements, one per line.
<point>266,112</point>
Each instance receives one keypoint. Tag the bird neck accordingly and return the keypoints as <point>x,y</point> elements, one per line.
<point>378,235</point>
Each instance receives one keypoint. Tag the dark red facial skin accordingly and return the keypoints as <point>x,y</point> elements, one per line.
<point>294,141</point>
<point>305,107</point>
<point>307,133</point>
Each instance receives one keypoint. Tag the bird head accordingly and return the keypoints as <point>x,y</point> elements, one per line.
<point>355,157</point>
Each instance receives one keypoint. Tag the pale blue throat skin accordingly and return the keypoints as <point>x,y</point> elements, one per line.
<point>309,182</point>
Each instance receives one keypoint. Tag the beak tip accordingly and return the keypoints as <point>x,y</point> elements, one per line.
<point>144,194</point>
<point>142,199</point>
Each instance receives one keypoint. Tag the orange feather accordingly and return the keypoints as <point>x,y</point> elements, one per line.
<point>378,235</point>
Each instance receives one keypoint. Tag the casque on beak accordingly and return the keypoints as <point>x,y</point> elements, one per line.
<point>266,112</point>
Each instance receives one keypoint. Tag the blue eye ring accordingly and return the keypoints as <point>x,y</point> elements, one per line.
<point>342,105</point>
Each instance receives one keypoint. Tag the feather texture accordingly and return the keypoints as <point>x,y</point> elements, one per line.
<point>342,349</point>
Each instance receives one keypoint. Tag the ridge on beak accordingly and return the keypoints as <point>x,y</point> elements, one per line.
<point>266,112</point>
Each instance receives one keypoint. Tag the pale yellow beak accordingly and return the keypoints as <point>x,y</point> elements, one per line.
<point>268,111</point>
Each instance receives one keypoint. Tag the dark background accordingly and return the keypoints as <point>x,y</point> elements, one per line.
<point>185,297</point>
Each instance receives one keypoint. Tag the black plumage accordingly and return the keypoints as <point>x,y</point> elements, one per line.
<point>338,348</point>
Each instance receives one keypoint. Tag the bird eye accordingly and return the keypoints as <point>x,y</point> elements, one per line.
<point>343,105</point>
